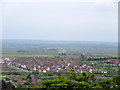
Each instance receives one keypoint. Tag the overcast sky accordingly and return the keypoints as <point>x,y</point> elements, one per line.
<point>81,21</point>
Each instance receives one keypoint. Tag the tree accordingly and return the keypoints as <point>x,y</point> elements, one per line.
<point>7,86</point>
<point>116,80</point>
<point>92,78</point>
<point>29,78</point>
<point>72,75</point>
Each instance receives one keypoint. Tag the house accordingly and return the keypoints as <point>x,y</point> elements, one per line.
<point>1,60</point>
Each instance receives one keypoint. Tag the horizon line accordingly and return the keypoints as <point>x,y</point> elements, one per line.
<point>62,40</point>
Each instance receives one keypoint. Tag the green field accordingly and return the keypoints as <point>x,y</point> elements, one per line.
<point>25,48</point>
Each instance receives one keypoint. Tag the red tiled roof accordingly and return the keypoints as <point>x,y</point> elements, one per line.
<point>1,60</point>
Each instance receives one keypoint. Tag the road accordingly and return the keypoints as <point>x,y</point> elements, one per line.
<point>11,66</point>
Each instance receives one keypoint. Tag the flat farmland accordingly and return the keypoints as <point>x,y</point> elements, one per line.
<point>51,48</point>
